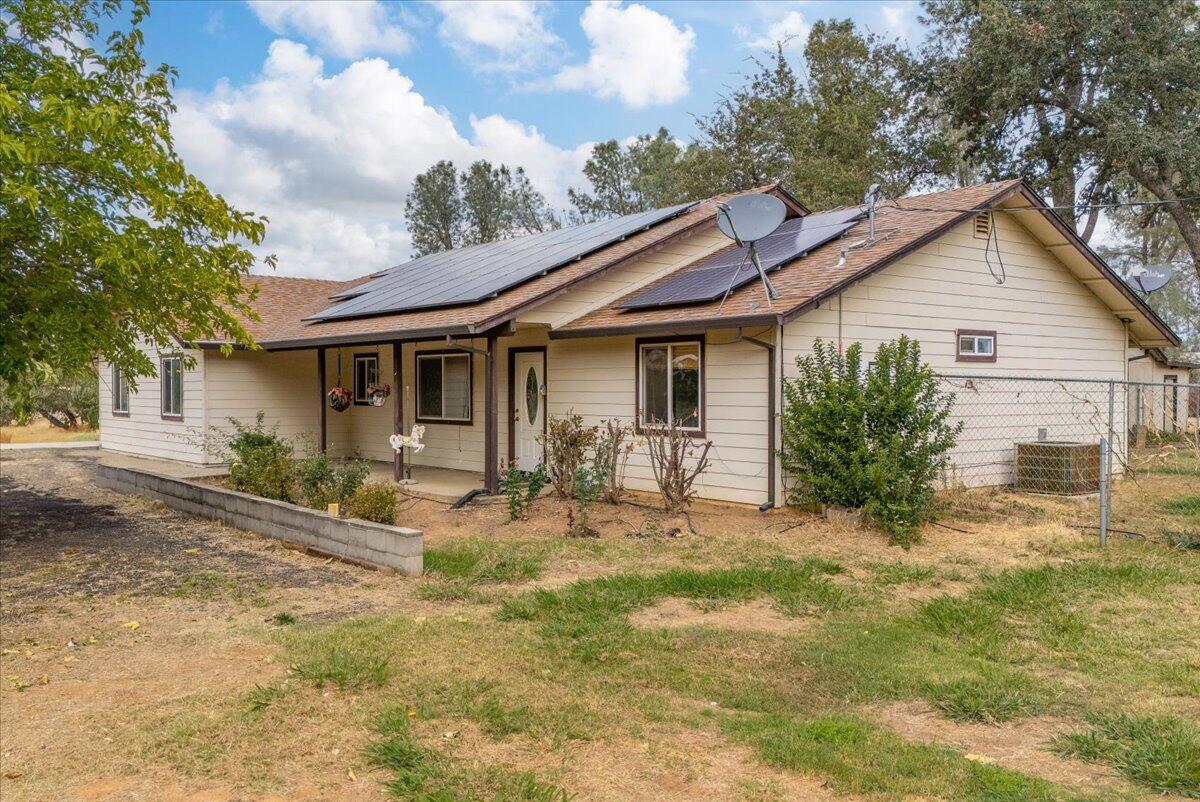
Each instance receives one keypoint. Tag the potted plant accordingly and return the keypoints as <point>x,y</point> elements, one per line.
<point>377,392</point>
<point>340,399</point>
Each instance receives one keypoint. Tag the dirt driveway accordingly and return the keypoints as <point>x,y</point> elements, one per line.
<point>95,585</point>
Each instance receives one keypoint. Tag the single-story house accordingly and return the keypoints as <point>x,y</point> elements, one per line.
<point>1158,398</point>
<point>620,319</point>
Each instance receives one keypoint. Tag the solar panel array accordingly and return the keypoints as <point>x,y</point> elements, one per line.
<point>478,272</point>
<point>710,278</point>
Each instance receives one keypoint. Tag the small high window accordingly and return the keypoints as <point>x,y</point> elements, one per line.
<point>366,373</point>
<point>975,346</point>
<point>670,384</point>
<point>444,388</point>
<point>120,392</point>
<point>171,376</point>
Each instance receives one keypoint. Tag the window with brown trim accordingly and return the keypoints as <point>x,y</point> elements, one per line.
<point>670,383</point>
<point>171,376</point>
<point>975,345</point>
<point>366,373</point>
<point>120,392</point>
<point>444,387</point>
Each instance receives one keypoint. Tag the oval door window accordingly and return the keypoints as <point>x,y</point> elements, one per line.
<point>531,395</point>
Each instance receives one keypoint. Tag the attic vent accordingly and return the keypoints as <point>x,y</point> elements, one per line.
<point>983,225</point>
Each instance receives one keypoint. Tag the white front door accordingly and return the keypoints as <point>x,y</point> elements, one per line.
<point>529,407</point>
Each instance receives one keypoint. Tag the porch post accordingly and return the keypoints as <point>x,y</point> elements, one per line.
<point>491,464</point>
<point>398,406</point>
<point>321,398</point>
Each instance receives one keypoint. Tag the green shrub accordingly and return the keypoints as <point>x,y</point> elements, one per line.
<point>260,461</point>
<point>375,501</point>
<point>323,481</point>
<point>522,489</point>
<point>874,439</point>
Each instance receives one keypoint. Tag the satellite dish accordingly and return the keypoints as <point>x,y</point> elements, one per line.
<point>746,219</point>
<point>1151,277</point>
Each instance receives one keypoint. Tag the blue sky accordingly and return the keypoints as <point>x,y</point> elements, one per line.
<point>319,115</point>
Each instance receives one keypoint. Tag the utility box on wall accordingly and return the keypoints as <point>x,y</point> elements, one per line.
<point>1062,468</point>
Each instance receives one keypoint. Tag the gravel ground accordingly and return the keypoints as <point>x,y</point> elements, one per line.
<point>63,536</point>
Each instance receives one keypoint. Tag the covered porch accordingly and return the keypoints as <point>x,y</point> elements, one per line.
<point>440,484</point>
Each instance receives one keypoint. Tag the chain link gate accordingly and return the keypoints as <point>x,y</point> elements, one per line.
<point>1070,438</point>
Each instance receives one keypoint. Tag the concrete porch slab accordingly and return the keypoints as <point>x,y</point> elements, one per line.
<point>442,484</point>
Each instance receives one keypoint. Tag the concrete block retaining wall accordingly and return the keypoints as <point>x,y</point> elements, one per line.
<point>388,546</point>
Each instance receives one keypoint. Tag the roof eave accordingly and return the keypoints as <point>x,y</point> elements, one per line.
<point>681,327</point>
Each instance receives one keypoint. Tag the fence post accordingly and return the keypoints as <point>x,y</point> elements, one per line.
<point>1105,449</point>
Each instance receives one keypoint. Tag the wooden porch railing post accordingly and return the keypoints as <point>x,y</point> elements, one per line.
<point>491,464</point>
<point>398,406</point>
<point>321,405</point>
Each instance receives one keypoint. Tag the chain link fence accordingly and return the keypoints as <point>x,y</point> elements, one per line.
<point>1076,438</point>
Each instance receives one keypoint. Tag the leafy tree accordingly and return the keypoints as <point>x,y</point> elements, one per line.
<point>447,209</point>
<point>1147,236</point>
<point>104,235</point>
<point>641,176</point>
<point>66,399</point>
<point>1075,96</point>
<point>434,210</point>
<point>853,122</point>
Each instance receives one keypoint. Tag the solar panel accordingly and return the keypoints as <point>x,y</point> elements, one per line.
<point>712,277</point>
<point>477,272</point>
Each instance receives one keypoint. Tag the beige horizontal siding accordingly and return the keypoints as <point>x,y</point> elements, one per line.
<point>595,378</point>
<point>623,279</point>
<point>144,431</point>
<point>1047,323</point>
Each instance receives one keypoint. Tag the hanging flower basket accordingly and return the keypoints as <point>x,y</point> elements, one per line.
<point>377,392</point>
<point>340,399</point>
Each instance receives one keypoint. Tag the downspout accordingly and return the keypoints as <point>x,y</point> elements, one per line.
<point>771,382</point>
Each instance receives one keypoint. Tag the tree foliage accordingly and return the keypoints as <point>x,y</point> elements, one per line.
<point>1076,96</point>
<point>873,438</point>
<point>67,399</point>
<point>104,235</point>
<point>644,175</point>
<point>447,209</point>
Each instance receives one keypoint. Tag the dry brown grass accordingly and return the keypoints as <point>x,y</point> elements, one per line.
<point>40,431</point>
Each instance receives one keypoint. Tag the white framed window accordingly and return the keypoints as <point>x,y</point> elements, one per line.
<point>120,392</point>
<point>975,345</point>
<point>670,383</point>
<point>444,387</point>
<point>366,373</point>
<point>171,376</point>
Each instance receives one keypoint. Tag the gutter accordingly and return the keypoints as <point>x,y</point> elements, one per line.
<point>670,327</point>
<point>772,380</point>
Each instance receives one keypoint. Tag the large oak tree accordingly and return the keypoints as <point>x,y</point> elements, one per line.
<point>104,235</point>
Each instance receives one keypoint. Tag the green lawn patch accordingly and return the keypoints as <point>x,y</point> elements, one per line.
<point>1161,753</point>
<point>485,561</point>
<point>1186,507</point>
<point>420,773</point>
<point>855,757</point>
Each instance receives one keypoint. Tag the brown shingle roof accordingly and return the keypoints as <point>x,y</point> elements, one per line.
<point>283,303</point>
<point>804,281</point>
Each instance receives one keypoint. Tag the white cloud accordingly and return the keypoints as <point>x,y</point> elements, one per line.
<point>897,19</point>
<point>498,37</point>
<point>637,55</point>
<point>345,28</point>
<point>330,158</point>
<point>792,29</point>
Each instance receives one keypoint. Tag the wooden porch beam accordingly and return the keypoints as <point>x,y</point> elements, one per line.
<point>398,406</point>
<point>321,405</point>
<point>491,428</point>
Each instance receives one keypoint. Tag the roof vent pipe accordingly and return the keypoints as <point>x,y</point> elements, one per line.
<point>869,199</point>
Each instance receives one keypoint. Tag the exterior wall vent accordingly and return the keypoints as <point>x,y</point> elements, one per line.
<point>983,225</point>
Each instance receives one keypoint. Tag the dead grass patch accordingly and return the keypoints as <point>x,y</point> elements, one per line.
<point>757,615</point>
<point>1022,745</point>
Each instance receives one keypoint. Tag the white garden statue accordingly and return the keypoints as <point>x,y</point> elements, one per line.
<point>413,443</point>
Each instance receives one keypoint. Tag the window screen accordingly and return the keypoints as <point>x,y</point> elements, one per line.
<point>366,373</point>
<point>120,392</point>
<point>444,387</point>
<point>670,382</point>
<point>172,386</point>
